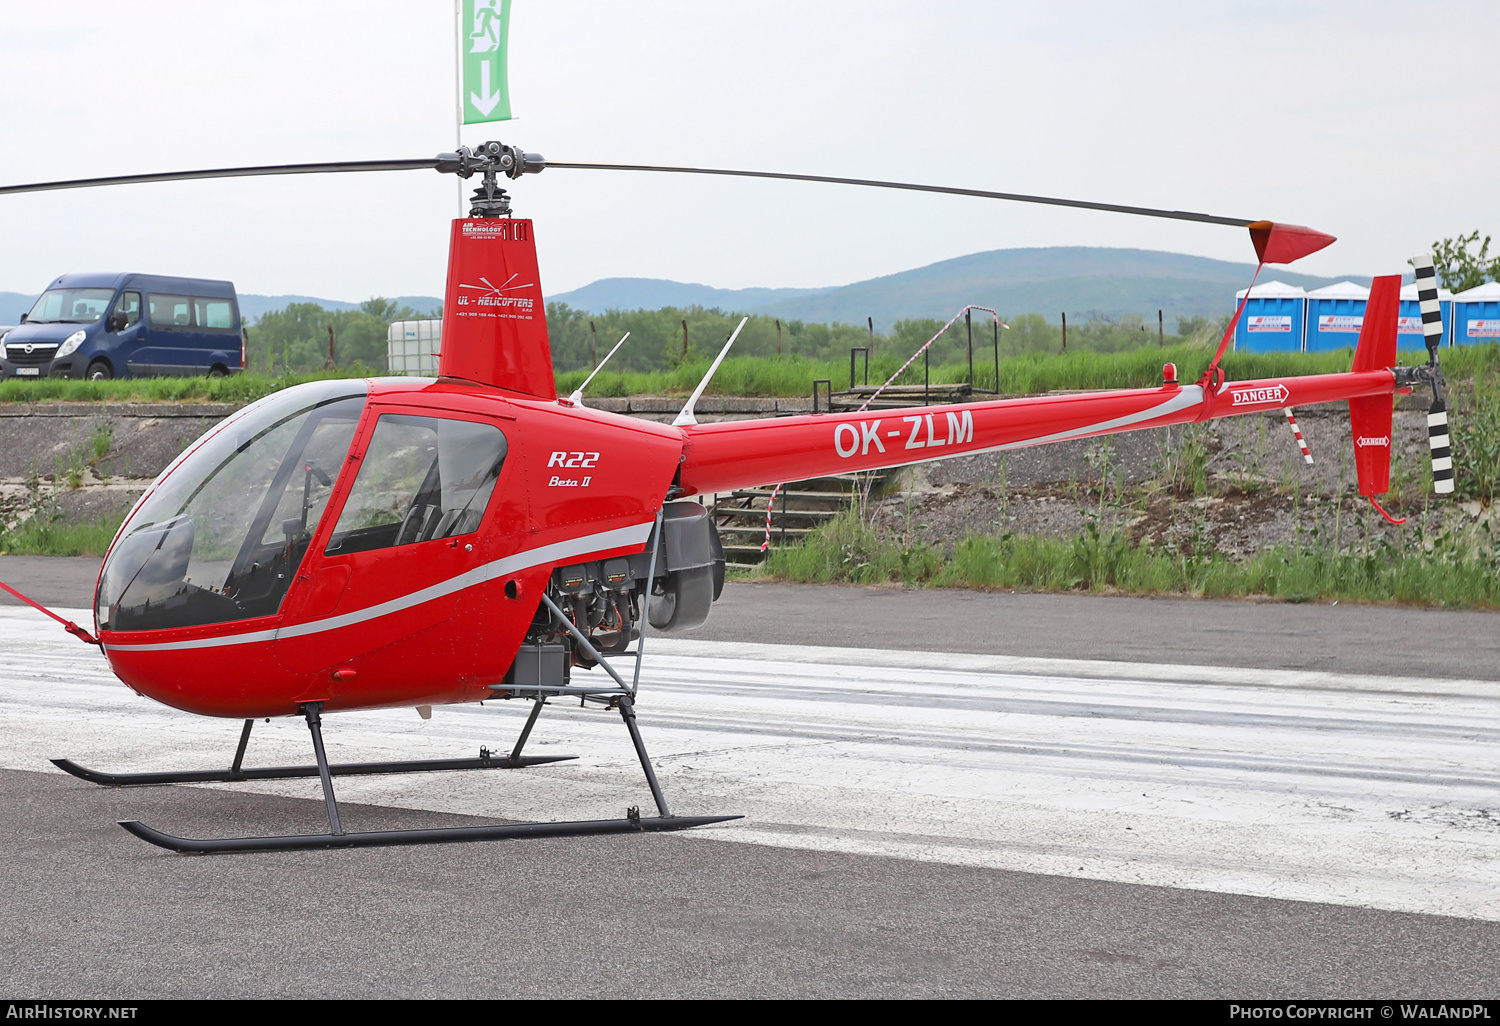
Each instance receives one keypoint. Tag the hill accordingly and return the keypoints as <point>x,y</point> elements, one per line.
<point>252,305</point>
<point>655,293</point>
<point>1081,280</point>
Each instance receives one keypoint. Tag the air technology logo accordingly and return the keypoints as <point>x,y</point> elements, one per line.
<point>495,297</point>
<point>506,230</point>
<point>1276,394</point>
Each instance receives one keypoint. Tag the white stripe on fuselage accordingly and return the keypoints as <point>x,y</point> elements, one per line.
<point>1189,396</point>
<point>554,553</point>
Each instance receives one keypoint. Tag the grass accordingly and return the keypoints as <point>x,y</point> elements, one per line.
<point>42,536</point>
<point>793,375</point>
<point>1445,574</point>
<point>1019,375</point>
<point>238,388</point>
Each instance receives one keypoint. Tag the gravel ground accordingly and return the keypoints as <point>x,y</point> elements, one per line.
<point>1260,491</point>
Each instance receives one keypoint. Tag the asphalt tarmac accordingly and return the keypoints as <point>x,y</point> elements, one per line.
<point>1400,641</point>
<point>91,912</point>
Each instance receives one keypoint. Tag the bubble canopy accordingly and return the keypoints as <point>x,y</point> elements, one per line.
<point>222,534</point>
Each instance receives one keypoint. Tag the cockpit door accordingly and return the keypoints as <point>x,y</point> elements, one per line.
<point>399,581</point>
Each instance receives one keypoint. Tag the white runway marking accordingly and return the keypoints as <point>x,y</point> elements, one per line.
<point>1380,792</point>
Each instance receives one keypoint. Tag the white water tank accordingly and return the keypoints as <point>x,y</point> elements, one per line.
<point>412,348</point>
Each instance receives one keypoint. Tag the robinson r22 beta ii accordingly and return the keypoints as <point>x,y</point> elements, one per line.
<point>345,545</point>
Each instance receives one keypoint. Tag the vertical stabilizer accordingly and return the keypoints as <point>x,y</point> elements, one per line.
<point>1370,417</point>
<point>494,321</point>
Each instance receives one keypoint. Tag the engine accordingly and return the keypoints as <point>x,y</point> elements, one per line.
<point>605,599</point>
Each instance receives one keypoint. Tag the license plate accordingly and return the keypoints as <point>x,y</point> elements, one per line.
<point>28,372</point>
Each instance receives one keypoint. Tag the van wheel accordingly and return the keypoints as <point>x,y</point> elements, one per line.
<point>218,372</point>
<point>99,371</point>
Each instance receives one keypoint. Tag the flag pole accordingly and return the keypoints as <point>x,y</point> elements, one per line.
<point>458,90</point>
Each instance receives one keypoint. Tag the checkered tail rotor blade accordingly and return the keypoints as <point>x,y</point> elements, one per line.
<point>1437,414</point>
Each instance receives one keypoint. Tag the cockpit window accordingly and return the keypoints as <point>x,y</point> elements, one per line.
<point>223,533</point>
<point>421,478</point>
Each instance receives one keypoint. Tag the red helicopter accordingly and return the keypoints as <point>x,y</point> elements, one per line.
<point>363,544</point>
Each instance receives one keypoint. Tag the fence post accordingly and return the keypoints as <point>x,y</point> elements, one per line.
<point>778,336</point>
<point>997,356</point>
<point>593,346</point>
<point>969,326</point>
<point>1161,331</point>
<point>1065,331</point>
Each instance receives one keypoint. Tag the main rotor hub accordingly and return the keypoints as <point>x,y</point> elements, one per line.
<point>490,160</point>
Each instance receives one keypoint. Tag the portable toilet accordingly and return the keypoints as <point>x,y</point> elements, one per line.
<point>1476,315</point>
<point>412,347</point>
<point>1272,320</point>
<point>1335,313</point>
<point>1409,333</point>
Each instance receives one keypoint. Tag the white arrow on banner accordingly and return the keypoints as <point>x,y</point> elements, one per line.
<point>484,101</point>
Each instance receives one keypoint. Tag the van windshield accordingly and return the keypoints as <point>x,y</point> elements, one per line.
<point>70,306</point>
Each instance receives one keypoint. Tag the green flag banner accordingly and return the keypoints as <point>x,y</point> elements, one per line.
<point>483,32</point>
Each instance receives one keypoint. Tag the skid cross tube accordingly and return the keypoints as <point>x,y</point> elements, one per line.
<point>315,725</point>
<point>627,713</point>
<point>239,753</point>
<point>536,710</point>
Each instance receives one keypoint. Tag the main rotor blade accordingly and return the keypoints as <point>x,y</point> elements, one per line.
<point>336,167</point>
<point>1016,197</point>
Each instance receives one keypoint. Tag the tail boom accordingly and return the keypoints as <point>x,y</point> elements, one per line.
<point>742,454</point>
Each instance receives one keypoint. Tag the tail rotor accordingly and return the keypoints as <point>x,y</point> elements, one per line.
<point>1437,414</point>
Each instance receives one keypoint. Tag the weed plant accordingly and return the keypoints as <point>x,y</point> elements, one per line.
<point>47,535</point>
<point>1454,569</point>
<point>1028,374</point>
<point>1476,442</point>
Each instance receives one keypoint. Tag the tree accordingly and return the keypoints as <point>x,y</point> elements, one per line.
<point>1459,267</point>
<point>296,338</point>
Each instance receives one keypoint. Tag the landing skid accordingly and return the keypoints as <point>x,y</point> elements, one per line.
<point>337,837</point>
<point>442,835</point>
<point>348,769</point>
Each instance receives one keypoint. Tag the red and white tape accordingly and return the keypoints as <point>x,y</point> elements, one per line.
<point>1291,419</point>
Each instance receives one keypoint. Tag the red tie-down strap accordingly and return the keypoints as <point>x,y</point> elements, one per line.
<point>68,625</point>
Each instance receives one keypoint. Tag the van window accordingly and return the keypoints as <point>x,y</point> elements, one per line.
<point>421,478</point>
<point>171,311</point>
<point>129,304</point>
<point>214,314</point>
<point>70,306</point>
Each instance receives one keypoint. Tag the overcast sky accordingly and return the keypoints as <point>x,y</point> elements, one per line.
<point>1373,121</point>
